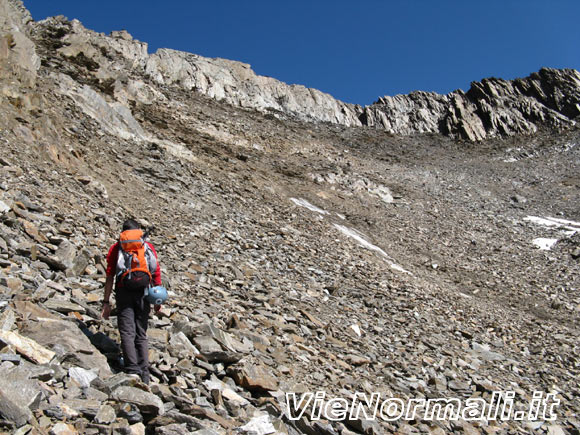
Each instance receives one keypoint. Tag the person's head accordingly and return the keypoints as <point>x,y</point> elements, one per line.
<point>131,224</point>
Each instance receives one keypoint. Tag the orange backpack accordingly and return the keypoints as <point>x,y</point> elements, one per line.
<point>134,261</point>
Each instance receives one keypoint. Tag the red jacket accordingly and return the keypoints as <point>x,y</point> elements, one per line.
<point>112,262</point>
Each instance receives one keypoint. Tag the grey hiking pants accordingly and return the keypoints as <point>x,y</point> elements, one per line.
<point>132,318</point>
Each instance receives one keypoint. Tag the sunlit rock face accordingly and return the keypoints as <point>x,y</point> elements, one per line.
<point>548,99</point>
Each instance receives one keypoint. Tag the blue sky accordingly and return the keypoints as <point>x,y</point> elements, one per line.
<point>355,50</point>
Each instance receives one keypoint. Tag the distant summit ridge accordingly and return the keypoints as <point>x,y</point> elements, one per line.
<point>493,107</point>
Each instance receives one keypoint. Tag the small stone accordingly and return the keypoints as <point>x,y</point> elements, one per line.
<point>203,402</point>
<point>435,430</point>
<point>31,311</point>
<point>439,382</point>
<point>158,336</point>
<point>253,377</point>
<point>87,408</point>
<point>80,263</point>
<point>130,412</point>
<point>459,385</point>
<point>10,357</point>
<point>223,338</point>
<point>63,429</point>
<point>364,426</point>
<point>106,415</point>
<point>484,352</point>
<point>7,319</point>
<point>94,394</point>
<point>173,429</point>
<point>356,360</point>
<point>223,357</point>
<point>65,306</point>
<point>534,425</point>
<point>44,422</point>
<point>356,329</point>
<point>4,208</point>
<point>91,270</point>
<point>66,254</point>
<point>13,283</point>
<point>227,393</point>
<point>61,411</point>
<point>81,376</point>
<point>33,231</point>
<point>207,344</point>
<point>138,429</point>
<point>260,425</point>
<point>181,347</point>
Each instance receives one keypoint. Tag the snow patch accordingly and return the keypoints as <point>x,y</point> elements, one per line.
<point>568,229</point>
<point>356,329</point>
<point>354,234</point>
<point>383,193</point>
<point>544,244</point>
<point>555,222</point>
<point>510,160</point>
<point>301,202</point>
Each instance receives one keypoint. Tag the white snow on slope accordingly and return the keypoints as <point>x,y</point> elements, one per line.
<point>544,244</point>
<point>566,227</point>
<point>354,234</point>
<point>303,203</point>
<point>555,222</point>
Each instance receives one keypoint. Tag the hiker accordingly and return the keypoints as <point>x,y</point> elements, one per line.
<point>132,265</point>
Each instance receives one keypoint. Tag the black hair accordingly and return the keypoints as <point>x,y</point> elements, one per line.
<point>131,224</point>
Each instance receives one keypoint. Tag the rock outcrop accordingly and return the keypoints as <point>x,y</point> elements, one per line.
<point>236,83</point>
<point>493,107</point>
<point>18,59</point>
<point>221,79</point>
<point>548,99</point>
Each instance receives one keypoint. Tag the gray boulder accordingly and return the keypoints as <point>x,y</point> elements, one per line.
<point>147,403</point>
<point>70,344</point>
<point>19,395</point>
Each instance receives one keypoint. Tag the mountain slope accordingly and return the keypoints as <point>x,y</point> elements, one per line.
<point>309,256</point>
<point>549,99</point>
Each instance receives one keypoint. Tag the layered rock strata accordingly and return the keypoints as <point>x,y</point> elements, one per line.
<point>493,107</point>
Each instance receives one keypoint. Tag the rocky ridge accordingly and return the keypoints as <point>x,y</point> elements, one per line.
<point>548,99</point>
<point>493,107</point>
<point>300,257</point>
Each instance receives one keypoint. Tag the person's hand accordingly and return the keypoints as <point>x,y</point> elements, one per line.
<point>106,311</point>
<point>156,308</point>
